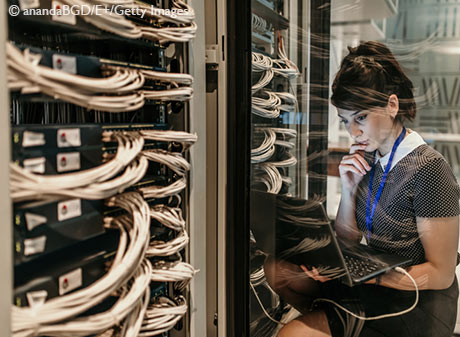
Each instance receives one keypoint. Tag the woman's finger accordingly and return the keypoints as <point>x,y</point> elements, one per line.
<point>361,160</point>
<point>343,168</point>
<point>357,147</point>
<point>357,162</point>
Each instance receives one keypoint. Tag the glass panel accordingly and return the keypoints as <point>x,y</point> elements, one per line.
<point>280,56</point>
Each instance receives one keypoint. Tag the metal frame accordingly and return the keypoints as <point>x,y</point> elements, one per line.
<point>6,244</point>
<point>238,165</point>
<point>197,178</point>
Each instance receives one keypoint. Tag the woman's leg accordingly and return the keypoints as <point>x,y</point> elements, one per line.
<point>291,283</point>
<point>313,324</point>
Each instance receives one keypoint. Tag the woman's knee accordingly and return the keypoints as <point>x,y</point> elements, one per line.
<point>313,324</point>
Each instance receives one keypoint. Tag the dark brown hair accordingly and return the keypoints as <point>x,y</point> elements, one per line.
<point>367,77</point>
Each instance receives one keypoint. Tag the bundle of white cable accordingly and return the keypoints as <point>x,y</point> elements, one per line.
<point>260,62</point>
<point>257,277</point>
<point>108,20</point>
<point>167,77</point>
<point>179,94</point>
<point>271,179</point>
<point>161,248</point>
<point>289,101</point>
<point>94,183</point>
<point>169,136</point>
<point>284,66</point>
<point>285,132</point>
<point>170,217</point>
<point>25,74</point>
<point>265,150</point>
<point>44,319</point>
<point>180,13</point>
<point>174,160</point>
<point>169,34</point>
<point>162,316</point>
<point>291,160</point>
<point>266,107</point>
<point>172,272</point>
<point>163,191</point>
<point>263,81</point>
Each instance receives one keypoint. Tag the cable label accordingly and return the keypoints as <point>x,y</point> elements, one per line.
<point>68,138</point>
<point>65,63</point>
<point>30,139</point>
<point>35,245</point>
<point>70,281</point>
<point>69,161</point>
<point>35,165</point>
<point>69,209</point>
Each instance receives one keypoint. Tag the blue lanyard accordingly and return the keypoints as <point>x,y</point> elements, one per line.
<point>370,215</point>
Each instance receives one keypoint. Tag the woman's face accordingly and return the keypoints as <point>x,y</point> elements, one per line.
<point>373,127</point>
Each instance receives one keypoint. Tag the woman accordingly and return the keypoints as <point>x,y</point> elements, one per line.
<point>399,195</point>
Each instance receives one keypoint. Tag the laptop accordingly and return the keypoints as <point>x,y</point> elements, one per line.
<point>299,231</point>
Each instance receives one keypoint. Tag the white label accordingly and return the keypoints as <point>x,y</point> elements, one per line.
<point>68,138</point>
<point>36,298</point>
<point>26,4</point>
<point>30,138</point>
<point>70,281</point>
<point>34,246</point>
<point>34,220</point>
<point>69,161</point>
<point>69,19</point>
<point>35,165</point>
<point>65,63</point>
<point>69,209</point>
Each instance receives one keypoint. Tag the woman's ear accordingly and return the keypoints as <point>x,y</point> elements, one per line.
<point>393,105</point>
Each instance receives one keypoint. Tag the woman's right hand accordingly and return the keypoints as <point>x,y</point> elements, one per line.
<point>353,167</point>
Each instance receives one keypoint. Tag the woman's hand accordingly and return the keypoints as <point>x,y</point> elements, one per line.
<point>314,274</point>
<point>353,167</point>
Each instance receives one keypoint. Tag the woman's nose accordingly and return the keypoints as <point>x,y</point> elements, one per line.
<point>355,131</point>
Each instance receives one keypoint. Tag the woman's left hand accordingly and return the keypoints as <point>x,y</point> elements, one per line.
<point>314,274</point>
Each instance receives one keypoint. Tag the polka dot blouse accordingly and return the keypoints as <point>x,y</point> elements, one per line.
<point>420,185</point>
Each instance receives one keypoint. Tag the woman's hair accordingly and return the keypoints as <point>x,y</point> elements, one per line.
<point>367,77</point>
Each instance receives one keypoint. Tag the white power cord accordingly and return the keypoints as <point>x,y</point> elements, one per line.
<point>162,316</point>
<point>398,269</point>
<point>175,161</point>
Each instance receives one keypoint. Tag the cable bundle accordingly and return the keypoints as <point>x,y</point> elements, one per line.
<point>56,316</point>
<point>169,136</point>
<point>163,191</point>
<point>175,161</point>
<point>175,94</point>
<point>170,217</point>
<point>120,91</point>
<point>268,108</point>
<point>265,150</point>
<point>284,66</point>
<point>172,271</point>
<point>260,62</point>
<point>162,316</point>
<point>270,177</point>
<point>161,248</point>
<point>94,183</point>
<point>25,74</point>
<point>263,81</point>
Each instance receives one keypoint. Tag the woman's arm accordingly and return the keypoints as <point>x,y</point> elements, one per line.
<point>352,168</point>
<point>439,238</point>
<point>345,222</point>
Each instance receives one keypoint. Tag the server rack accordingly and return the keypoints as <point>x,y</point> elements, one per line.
<point>97,46</point>
<point>295,37</point>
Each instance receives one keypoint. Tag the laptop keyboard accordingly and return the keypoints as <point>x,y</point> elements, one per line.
<point>360,267</point>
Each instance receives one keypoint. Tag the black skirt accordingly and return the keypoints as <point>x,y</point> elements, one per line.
<point>434,316</point>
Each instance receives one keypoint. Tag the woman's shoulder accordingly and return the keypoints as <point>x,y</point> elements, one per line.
<point>425,155</point>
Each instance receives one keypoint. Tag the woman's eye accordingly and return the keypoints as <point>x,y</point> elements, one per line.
<point>361,118</point>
